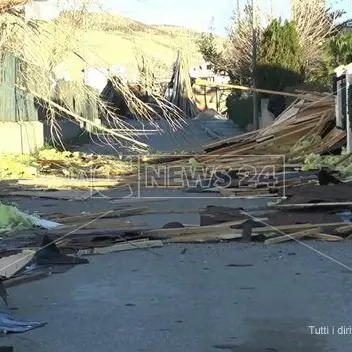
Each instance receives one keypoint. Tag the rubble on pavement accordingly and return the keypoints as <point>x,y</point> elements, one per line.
<point>305,200</point>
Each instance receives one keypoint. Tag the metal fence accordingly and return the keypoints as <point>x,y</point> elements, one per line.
<point>16,105</point>
<point>342,89</point>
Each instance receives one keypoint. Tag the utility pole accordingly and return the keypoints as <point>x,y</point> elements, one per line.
<point>254,65</point>
<point>84,52</point>
<point>338,92</point>
<point>349,106</point>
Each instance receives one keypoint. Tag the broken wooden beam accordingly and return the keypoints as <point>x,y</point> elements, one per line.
<point>293,237</point>
<point>196,230</point>
<point>326,237</point>
<point>60,194</point>
<point>125,246</point>
<point>120,213</point>
<point>201,82</point>
<point>313,205</point>
<point>344,230</point>
<point>229,230</point>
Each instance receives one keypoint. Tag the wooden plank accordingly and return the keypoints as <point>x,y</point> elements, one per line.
<point>160,159</point>
<point>104,224</point>
<point>206,237</point>
<point>226,228</point>
<point>85,217</point>
<point>65,239</point>
<point>137,200</point>
<point>103,215</point>
<point>293,236</point>
<point>286,128</point>
<point>205,83</point>
<point>312,205</point>
<point>296,227</point>
<point>325,237</point>
<point>60,195</point>
<point>130,245</point>
<point>276,139</point>
<point>171,211</point>
<point>209,237</point>
<point>10,265</point>
<point>236,192</point>
<point>344,230</point>
<point>229,141</point>
<point>319,194</point>
<point>167,233</point>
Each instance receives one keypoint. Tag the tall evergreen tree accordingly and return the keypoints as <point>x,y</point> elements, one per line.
<point>280,57</point>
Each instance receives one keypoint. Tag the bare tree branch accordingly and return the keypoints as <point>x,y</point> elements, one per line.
<point>314,26</point>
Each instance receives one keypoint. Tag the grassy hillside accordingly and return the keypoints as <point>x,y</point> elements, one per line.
<point>111,40</point>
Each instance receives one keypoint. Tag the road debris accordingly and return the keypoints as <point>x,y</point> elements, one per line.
<point>10,325</point>
<point>138,244</point>
<point>49,255</point>
<point>306,201</point>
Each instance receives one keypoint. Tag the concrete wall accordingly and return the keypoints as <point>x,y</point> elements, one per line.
<point>266,118</point>
<point>26,137</point>
<point>21,137</point>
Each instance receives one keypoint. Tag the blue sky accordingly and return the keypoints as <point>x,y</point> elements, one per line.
<point>197,14</point>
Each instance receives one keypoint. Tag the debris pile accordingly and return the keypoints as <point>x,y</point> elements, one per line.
<point>50,162</point>
<point>306,198</point>
<point>182,95</point>
<point>268,160</point>
<point>303,128</point>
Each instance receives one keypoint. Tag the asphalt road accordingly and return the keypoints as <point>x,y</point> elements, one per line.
<point>190,137</point>
<point>199,298</point>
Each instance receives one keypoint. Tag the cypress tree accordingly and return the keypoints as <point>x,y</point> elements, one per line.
<point>280,57</point>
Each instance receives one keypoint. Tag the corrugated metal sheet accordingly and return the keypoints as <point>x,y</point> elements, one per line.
<point>7,89</point>
<point>82,103</point>
<point>15,104</point>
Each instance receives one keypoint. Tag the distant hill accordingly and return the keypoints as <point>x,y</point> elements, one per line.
<point>111,39</point>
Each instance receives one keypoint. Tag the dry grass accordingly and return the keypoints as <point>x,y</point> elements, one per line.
<point>119,43</point>
<point>51,162</point>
